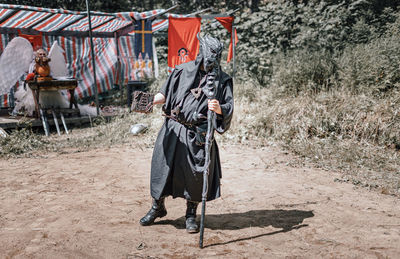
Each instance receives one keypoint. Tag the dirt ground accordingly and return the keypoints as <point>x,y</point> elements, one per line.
<point>88,204</point>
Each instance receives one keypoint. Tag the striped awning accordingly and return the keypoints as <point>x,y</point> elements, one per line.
<point>83,24</point>
<point>59,22</point>
<point>113,25</point>
<point>23,19</point>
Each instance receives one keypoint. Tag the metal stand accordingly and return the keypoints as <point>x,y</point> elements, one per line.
<point>56,122</point>
<point>63,122</point>
<point>44,122</point>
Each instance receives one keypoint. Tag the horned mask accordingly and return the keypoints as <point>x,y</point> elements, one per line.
<point>210,51</point>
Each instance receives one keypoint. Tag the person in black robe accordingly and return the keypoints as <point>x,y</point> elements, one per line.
<point>177,164</point>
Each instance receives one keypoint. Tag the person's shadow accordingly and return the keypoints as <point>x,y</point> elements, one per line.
<point>287,220</point>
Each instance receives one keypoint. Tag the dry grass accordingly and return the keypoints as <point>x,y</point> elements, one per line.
<point>357,135</point>
<point>101,133</point>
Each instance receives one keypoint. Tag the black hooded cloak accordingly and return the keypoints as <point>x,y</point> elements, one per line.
<point>178,158</point>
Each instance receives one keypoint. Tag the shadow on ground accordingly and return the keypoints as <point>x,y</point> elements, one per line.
<point>286,220</point>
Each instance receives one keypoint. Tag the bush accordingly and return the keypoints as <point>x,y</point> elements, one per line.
<point>372,68</point>
<point>304,72</point>
<point>328,26</point>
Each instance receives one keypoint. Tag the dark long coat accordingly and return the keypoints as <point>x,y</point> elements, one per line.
<point>178,159</point>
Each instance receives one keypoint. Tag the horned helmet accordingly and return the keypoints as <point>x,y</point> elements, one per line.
<point>210,51</point>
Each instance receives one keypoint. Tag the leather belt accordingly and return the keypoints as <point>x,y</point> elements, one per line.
<point>184,123</point>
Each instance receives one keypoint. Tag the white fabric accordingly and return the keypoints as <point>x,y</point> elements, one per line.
<point>14,62</point>
<point>58,66</point>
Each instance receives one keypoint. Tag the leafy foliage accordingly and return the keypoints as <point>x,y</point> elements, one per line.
<point>304,72</point>
<point>372,67</point>
<point>287,26</point>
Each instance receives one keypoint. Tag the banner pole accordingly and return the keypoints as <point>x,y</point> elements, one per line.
<point>96,94</point>
<point>233,38</point>
<point>119,69</point>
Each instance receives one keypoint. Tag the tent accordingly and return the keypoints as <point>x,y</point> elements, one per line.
<point>119,42</point>
<point>113,38</point>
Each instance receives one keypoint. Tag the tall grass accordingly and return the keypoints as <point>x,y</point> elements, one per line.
<point>336,130</point>
<point>372,68</point>
<point>304,72</point>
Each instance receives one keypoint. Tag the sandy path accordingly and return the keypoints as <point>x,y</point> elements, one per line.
<point>87,205</point>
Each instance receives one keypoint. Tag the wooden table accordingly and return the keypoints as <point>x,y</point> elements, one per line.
<point>53,85</point>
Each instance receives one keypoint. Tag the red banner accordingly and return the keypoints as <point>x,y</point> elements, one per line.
<point>35,40</point>
<point>183,44</point>
<point>227,23</point>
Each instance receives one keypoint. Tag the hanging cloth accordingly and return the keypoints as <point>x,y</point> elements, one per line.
<point>183,44</point>
<point>227,23</point>
<point>35,40</point>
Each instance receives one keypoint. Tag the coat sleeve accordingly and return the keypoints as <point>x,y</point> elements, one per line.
<point>223,121</point>
<point>171,82</point>
<point>165,87</point>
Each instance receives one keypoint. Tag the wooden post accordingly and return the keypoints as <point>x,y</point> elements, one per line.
<point>121,89</point>
<point>233,48</point>
<point>93,58</point>
<point>12,97</point>
<point>155,58</point>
